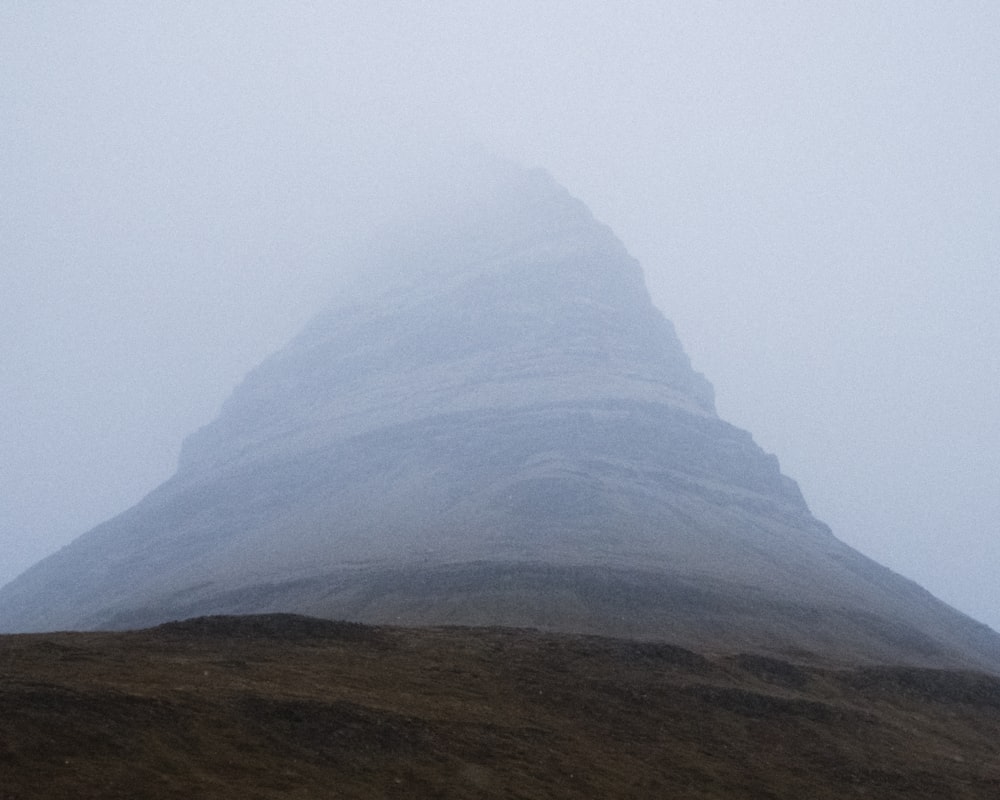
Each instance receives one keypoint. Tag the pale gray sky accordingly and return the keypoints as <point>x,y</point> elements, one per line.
<point>812,189</point>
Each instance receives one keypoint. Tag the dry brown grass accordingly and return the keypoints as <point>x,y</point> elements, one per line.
<point>289,707</point>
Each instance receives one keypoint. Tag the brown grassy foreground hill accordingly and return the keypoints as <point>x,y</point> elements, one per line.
<point>293,707</point>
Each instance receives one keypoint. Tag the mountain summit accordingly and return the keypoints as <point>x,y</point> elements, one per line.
<point>495,427</point>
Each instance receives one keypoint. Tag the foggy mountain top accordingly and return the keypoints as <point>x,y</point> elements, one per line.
<point>810,191</point>
<point>462,214</point>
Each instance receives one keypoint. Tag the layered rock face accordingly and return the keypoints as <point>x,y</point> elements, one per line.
<point>499,428</point>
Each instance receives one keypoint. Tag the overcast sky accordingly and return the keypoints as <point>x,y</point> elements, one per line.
<point>812,188</point>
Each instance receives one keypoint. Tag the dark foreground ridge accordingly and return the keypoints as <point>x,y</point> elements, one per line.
<point>278,706</point>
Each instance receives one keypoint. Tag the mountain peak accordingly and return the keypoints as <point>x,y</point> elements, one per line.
<point>513,295</point>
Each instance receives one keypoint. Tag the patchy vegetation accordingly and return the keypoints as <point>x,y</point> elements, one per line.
<point>281,706</point>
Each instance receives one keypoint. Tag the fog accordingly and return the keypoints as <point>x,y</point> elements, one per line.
<point>810,188</point>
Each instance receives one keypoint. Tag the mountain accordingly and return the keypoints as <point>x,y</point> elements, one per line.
<point>494,427</point>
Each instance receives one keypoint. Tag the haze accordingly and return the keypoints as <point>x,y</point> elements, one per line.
<point>810,188</point>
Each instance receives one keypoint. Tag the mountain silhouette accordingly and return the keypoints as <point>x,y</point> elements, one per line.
<point>494,427</point>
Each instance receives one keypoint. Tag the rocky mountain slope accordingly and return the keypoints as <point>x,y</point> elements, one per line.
<point>278,707</point>
<point>496,427</point>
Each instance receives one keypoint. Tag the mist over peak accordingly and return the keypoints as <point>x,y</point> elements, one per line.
<point>810,191</point>
<point>446,216</point>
